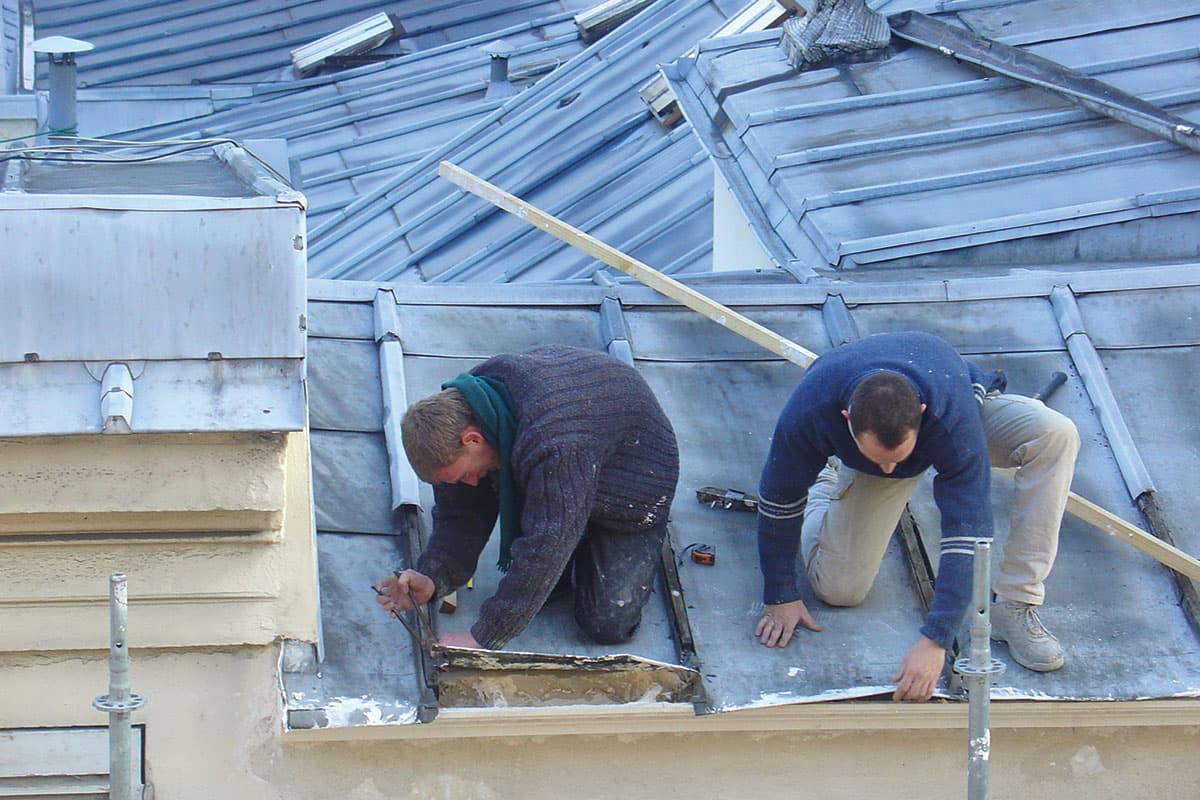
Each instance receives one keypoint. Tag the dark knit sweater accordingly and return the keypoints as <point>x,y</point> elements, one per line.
<point>593,453</point>
<point>951,439</point>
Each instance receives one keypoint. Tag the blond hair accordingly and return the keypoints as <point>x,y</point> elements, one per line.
<point>432,432</point>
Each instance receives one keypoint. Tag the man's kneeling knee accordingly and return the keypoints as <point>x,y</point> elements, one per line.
<point>841,595</point>
<point>610,630</point>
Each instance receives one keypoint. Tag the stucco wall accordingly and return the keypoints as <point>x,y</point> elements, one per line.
<point>894,765</point>
<point>213,730</point>
<point>213,531</point>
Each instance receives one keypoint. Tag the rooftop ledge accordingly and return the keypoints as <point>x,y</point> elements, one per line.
<point>841,716</point>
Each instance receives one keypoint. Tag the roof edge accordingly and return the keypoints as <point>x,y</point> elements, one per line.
<point>813,717</point>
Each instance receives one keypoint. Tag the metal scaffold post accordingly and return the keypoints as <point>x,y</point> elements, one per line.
<point>120,703</point>
<point>977,670</point>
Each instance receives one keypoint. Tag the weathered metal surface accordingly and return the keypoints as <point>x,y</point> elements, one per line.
<point>915,160</point>
<point>740,391</point>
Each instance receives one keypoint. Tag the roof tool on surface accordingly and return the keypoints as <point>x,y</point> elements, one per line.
<point>726,317</point>
<point>728,499</point>
<point>421,630</point>
<point>701,553</point>
<point>1052,386</point>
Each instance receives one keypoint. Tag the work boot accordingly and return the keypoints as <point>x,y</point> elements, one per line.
<point>1031,645</point>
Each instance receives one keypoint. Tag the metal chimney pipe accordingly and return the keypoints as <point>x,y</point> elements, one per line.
<point>61,118</point>
<point>119,703</point>
<point>498,83</point>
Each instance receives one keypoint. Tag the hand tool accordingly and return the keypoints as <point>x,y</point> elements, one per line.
<point>421,630</point>
<point>1056,380</point>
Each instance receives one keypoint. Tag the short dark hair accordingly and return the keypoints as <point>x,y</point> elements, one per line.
<point>431,431</point>
<point>884,403</point>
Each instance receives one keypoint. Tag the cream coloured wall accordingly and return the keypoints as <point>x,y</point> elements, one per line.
<point>735,246</point>
<point>213,531</point>
<point>213,730</point>
<point>848,765</point>
<point>214,534</point>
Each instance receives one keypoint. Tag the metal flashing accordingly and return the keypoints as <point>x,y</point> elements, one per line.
<point>223,239</point>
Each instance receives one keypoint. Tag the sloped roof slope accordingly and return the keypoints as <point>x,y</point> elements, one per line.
<point>914,159</point>
<point>581,143</point>
<point>244,41</point>
<point>1115,609</point>
<point>350,131</point>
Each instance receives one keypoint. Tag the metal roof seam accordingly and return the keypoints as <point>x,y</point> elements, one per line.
<point>524,106</point>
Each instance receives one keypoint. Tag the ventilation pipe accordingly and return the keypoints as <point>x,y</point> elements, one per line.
<point>62,118</point>
<point>499,85</point>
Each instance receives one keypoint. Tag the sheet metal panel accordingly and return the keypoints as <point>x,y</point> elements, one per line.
<point>344,392</point>
<point>63,398</point>
<point>351,490</point>
<point>646,189</point>
<point>1033,23</point>
<point>369,676</point>
<point>1149,345</point>
<point>250,40</point>
<point>352,131</point>
<point>197,279</point>
<point>339,320</point>
<point>470,335</point>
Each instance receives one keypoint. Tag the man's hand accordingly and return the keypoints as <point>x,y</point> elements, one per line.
<point>460,640</point>
<point>919,671</point>
<point>396,589</point>
<point>778,621</point>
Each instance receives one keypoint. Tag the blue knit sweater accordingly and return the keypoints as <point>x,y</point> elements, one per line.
<point>951,440</point>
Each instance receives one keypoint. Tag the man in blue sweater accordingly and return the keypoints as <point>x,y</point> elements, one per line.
<point>866,421</point>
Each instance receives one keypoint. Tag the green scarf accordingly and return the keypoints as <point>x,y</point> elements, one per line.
<point>492,408</point>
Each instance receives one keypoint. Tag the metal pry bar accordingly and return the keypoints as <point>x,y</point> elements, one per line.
<point>420,637</point>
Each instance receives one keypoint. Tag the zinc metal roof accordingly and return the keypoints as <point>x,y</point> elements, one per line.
<point>581,143</point>
<point>914,159</point>
<point>348,132</point>
<point>909,192</point>
<point>1115,609</point>
<point>179,42</point>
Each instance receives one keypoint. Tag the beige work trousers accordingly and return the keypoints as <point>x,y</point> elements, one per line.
<point>851,515</point>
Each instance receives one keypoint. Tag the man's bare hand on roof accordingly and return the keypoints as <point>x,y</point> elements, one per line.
<point>779,622</point>
<point>399,591</point>
<point>919,671</point>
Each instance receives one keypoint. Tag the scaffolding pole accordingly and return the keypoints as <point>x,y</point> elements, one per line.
<point>977,670</point>
<point>119,703</point>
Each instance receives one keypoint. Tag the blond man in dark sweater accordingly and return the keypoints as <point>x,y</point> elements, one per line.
<point>571,451</point>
